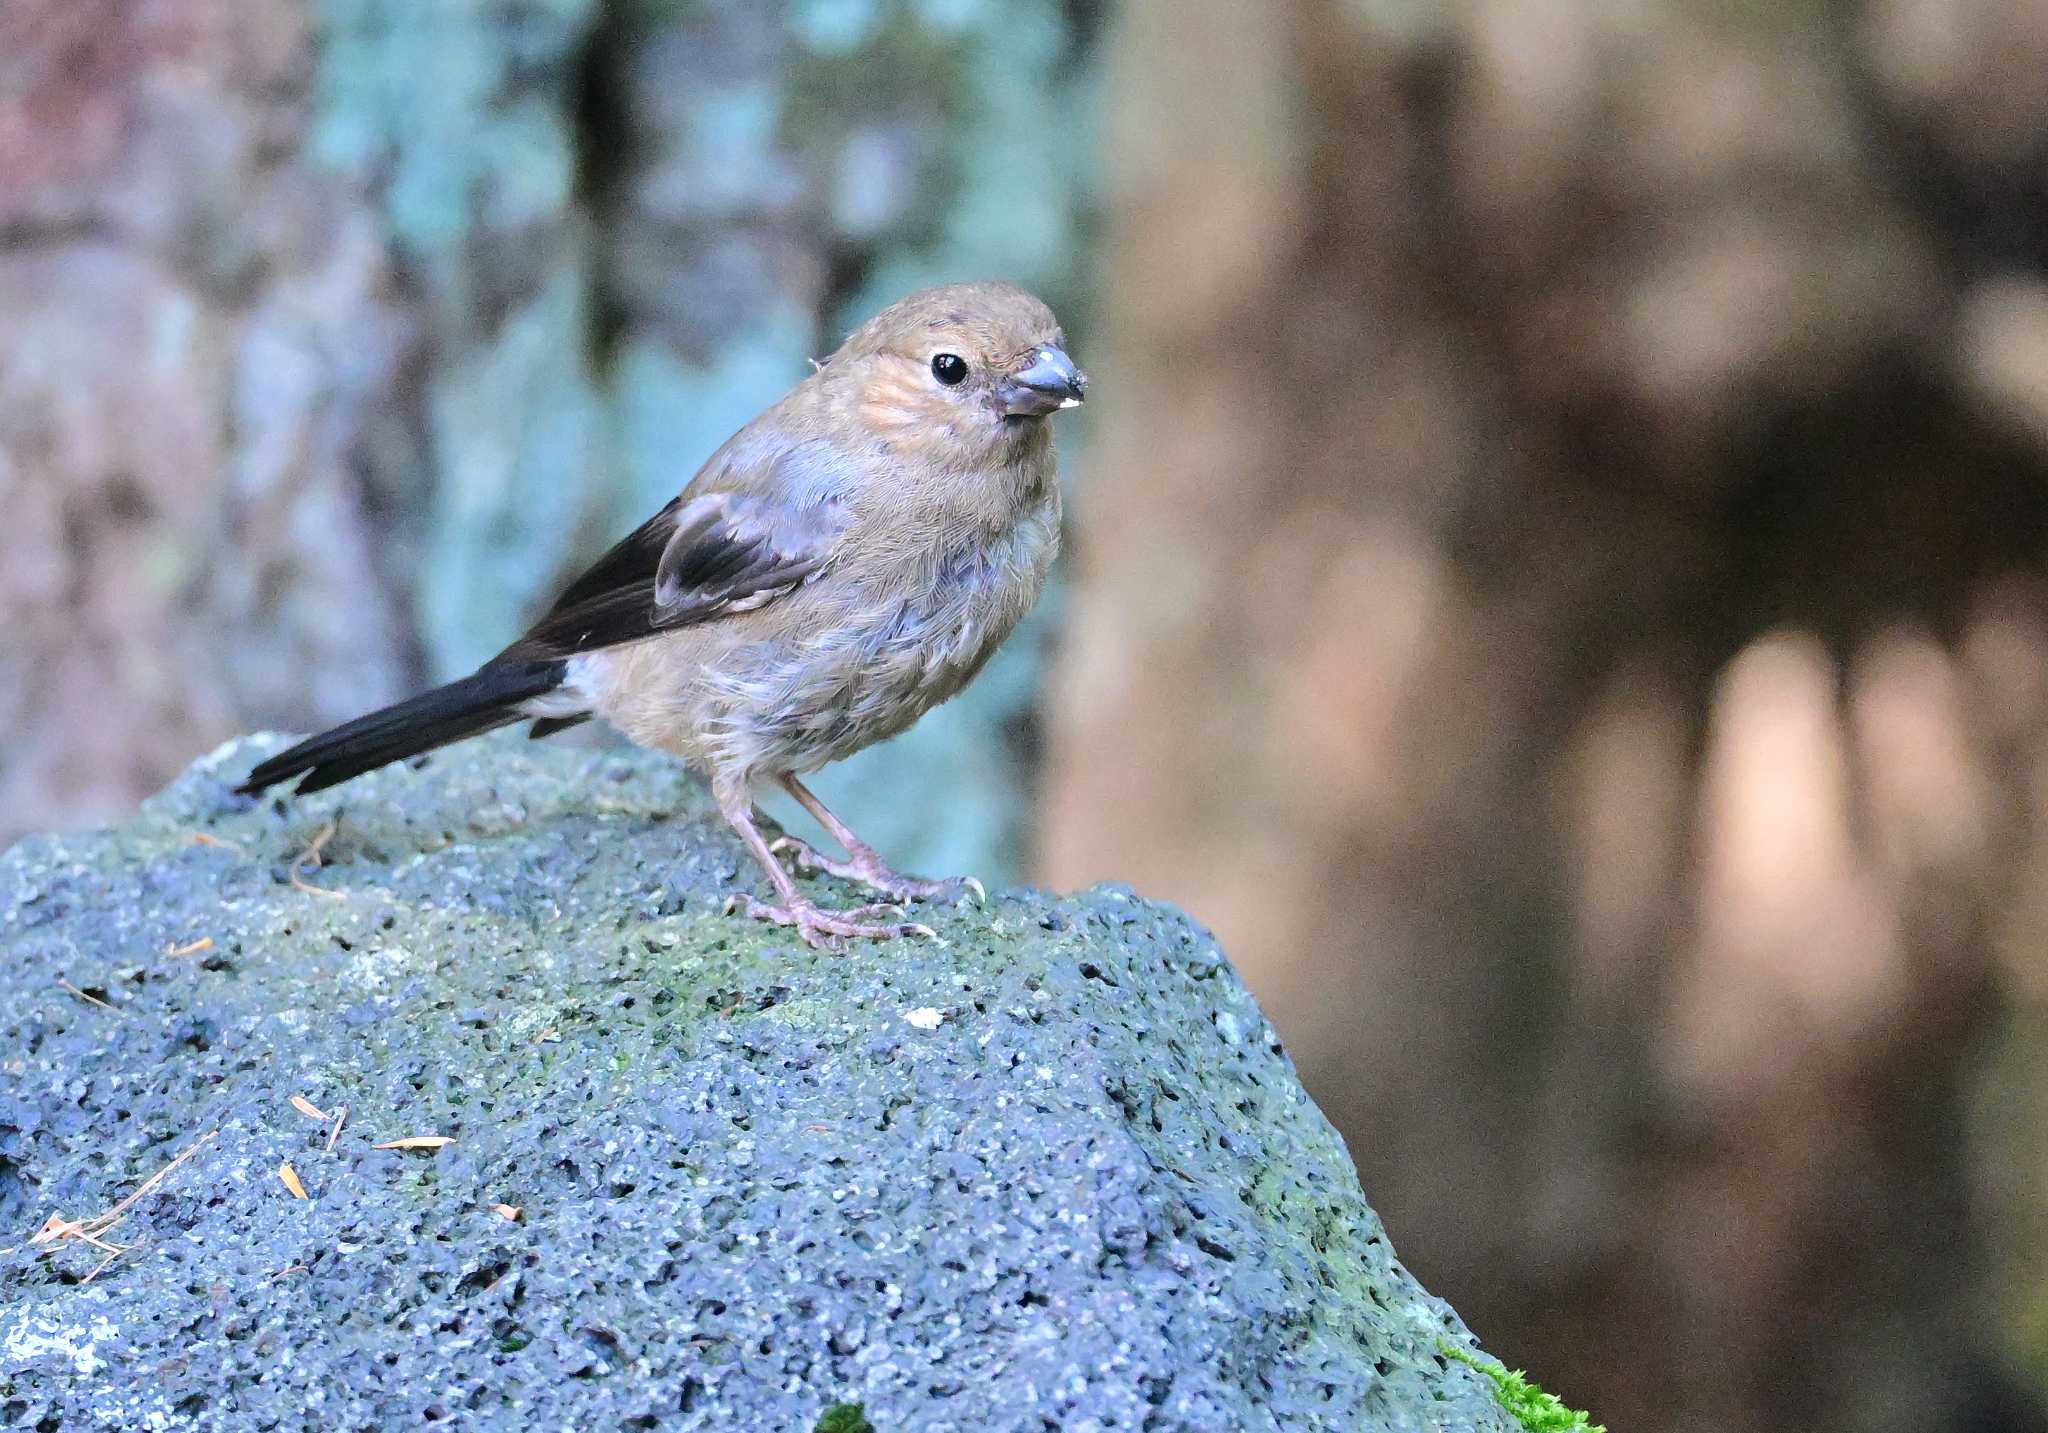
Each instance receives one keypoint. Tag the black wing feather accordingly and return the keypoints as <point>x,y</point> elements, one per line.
<point>630,560</point>
<point>728,550</point>
<point>697,559</point>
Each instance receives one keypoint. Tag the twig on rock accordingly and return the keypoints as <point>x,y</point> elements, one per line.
<point>58,1230</point>
<point>312,855</point>
<point>69,989</point>
<point>101,1266</point>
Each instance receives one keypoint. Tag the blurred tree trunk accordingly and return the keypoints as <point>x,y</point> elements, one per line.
<point>199,341</point>
<point>1559,591</point>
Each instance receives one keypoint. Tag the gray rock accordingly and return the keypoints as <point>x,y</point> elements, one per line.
<point>1055,1173</point>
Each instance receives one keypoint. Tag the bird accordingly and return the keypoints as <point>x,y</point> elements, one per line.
<point>846,561</point>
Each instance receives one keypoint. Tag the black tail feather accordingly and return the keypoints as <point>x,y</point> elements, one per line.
<point>489,698</point>
<point>548,726</point>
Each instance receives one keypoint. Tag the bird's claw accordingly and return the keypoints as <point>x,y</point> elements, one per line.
<point>822,929</point>
<point>877,877</point>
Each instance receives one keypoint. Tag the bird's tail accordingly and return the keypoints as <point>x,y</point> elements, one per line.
<point>491,697</point>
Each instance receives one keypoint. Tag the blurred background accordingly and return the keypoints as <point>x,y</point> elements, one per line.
<point>1558,570</point>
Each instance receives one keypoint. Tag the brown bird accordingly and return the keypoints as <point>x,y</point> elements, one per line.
<point>844,563</point>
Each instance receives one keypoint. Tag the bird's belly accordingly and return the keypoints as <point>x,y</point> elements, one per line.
<point>850,687</point>
<point>823,694</point>
<point>827,670</point>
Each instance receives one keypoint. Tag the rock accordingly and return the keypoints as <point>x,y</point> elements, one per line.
<point>1055,1172</point>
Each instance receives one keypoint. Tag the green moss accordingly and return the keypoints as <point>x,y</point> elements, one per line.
<point>481,985</point>
<point>844,1418</point>
<point>1535,1410</point>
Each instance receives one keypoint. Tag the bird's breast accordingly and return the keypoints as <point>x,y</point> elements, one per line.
<point>948,620</point>
<point>875,653</point>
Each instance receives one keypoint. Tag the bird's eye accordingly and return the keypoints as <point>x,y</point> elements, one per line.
<point>950,369</point>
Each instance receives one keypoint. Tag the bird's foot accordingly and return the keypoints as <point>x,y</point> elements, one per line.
<point>823,929</point>
<point>877,877</point>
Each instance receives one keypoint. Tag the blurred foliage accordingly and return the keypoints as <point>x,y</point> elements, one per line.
<point>1535,1410</point>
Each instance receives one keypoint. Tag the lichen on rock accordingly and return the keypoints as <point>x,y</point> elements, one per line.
<point>700,1176</point>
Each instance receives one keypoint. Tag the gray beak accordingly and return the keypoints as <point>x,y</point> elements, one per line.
<point>1048,383</point>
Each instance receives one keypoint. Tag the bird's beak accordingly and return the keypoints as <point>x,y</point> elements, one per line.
<point>1047,383</point>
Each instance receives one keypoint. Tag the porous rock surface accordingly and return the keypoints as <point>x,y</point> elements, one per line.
<point>1055,1173</point>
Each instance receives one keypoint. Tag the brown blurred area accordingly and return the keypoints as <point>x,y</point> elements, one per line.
<point>1560,590</point>
<point>176,557</point>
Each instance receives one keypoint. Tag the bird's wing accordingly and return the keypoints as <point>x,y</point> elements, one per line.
<point>732,552</point>
<point>702,557</point>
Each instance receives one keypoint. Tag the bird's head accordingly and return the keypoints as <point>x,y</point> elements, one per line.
<point>971,367</point>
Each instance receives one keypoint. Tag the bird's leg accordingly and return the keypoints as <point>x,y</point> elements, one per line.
<point>866,864</point>
<point>821,929</point>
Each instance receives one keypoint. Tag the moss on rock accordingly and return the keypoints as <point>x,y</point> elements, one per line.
<point>699,1175</point>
